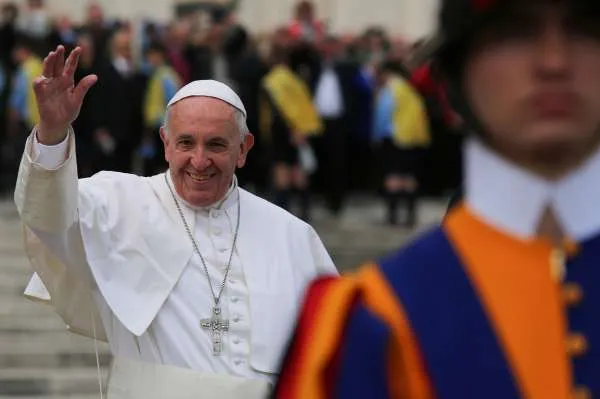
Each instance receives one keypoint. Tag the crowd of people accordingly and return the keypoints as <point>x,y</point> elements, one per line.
<point>498,300</point>
<point>347,85</point>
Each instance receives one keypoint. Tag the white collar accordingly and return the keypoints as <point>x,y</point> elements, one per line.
<point>230,198</point>
<point>513,199</point>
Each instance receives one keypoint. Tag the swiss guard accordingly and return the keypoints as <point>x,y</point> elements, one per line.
<point>502,299</point>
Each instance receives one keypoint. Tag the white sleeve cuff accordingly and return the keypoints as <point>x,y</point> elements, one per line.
<point>50,157</point>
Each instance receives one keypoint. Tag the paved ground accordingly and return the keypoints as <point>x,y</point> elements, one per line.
<point>39,359</point>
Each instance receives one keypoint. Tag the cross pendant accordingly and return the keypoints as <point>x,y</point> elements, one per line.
<point>216,326</point>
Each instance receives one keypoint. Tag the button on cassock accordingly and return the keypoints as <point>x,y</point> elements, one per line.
<point>572,294</point>
<point>577,345</point>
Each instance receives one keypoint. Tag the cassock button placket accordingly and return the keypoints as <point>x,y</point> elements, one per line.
<point>572,294</point>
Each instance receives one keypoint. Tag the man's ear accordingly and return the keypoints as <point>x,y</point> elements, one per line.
<point>246,146</point>
<point>164,136</point>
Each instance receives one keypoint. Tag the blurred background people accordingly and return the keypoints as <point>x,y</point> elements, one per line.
<point>22,112</point>
<point>139,63</point>
<point>121,89</point>
<point>401,134</point>
<point>289,117</point>
<point>163,83</point>
<point>89,152</point>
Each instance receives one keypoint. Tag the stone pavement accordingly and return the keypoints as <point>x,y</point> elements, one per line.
<point>39,359</point>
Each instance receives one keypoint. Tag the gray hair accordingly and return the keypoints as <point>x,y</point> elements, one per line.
<point>240,121</point>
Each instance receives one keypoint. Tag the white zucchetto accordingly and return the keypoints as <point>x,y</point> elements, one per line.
<point>209,88</point>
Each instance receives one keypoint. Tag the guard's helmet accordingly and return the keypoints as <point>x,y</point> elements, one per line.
<point>461,22</point>
<point>458,23</point>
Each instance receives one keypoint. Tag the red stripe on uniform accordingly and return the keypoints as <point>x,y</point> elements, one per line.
<point>286,386</point>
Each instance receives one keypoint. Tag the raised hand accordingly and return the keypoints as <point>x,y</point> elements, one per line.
<point>58,99</point>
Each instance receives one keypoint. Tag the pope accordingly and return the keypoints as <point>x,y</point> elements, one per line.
<point>192,281</point>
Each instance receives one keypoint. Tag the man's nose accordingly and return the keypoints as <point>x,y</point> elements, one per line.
<point>200,159</point>
<point>553,56</point>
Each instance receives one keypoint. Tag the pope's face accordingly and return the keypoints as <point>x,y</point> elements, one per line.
<point>203,148</point>
<point>533,80</point>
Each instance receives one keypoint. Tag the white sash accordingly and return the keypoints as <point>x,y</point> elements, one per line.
<point>131,379</point>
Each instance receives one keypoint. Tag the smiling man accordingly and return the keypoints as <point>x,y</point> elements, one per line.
<point>193,281</point>
<point>502,300</point>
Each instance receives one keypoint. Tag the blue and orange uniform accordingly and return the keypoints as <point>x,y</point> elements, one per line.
<point>479,307</point>
<point>501,299</point>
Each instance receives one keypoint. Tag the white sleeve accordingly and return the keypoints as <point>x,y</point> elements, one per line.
<point>50,157</point>
<point>47,198</point>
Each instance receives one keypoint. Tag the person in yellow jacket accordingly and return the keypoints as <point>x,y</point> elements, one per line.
<point>288,119</point>
<point>400,134</point>
<point>22,98</point>
<point>23,112</point>
<point>163,83</point>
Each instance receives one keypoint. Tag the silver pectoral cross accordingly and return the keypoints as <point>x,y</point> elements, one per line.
<point>216,327</point>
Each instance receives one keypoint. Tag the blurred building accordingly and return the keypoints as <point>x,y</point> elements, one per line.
<point>412,19</point>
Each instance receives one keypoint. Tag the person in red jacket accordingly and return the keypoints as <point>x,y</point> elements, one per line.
<point>305,27</point>
<point>423,80</point>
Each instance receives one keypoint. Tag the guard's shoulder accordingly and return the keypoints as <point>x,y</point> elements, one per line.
<point>324,284</point>
<point>327,294</point>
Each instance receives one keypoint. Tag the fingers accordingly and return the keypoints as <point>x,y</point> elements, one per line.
<point>53,63</point>
<point>60,61</point>
<point>37,84</point>
<point>83,86</point>
<point>71,63</point>
<point>49,61</point>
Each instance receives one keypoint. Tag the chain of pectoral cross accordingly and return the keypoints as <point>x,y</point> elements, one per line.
<point>215,325</point>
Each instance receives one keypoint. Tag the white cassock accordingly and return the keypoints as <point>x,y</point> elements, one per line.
<point>113,258</point>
